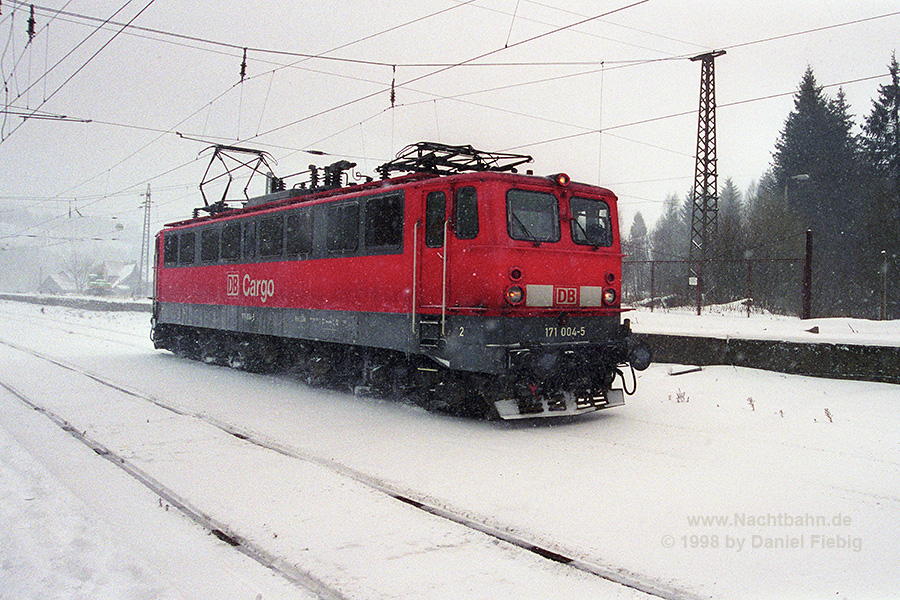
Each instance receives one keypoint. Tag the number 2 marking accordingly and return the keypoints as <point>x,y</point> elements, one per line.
<point>462,331</point>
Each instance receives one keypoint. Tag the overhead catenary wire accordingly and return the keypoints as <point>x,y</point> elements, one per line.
<point>82,66</point>
<point>455,65</point>
<point>76,17</point>
<point>7,79</point>
<point>620,25</point>
<point>255,49</point>
<point>602,63</point>
<point>441,69</point>
<point>209,104</point>
<point>687,113</point>
<point>162,131</point>
<point>47,71</point>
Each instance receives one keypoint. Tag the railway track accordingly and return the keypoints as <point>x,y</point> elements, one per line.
<point>828,360</point>
<point>258,552</point>
<point>50,321</point>
<point>220,530</point>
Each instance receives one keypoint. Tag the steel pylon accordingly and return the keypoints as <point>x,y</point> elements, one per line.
<point>705,195</point>
<point>144,266</point>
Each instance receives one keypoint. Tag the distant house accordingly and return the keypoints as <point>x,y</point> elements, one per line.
<point>108,278</point>
<point>126,280</point>
<point>116,278</point>
<point>58,284</point>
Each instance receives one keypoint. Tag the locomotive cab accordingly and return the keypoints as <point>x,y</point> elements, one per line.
<point>520,279</point>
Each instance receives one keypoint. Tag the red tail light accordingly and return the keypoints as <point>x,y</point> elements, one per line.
<point>561,179</point>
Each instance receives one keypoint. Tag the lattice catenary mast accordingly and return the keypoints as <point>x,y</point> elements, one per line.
<point>705,196</point>
<point>144,267</point>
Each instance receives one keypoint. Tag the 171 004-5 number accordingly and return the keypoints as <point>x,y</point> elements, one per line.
<point>564,331</point>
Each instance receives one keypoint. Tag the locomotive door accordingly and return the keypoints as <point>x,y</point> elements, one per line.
<point>433,270</point>
<point>433,262</point>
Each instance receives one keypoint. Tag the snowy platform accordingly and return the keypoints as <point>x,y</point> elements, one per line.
<point>838,348</point>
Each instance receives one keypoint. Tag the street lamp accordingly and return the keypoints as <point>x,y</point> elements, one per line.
<point>800,177</point>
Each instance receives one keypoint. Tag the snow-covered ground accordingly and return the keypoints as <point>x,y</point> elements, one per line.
<point>723,483</point>
<point>731,321</point>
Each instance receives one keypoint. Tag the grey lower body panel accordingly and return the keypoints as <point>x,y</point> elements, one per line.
<point>472,343</point>
<point>497,344</point>
<point>389,331</point>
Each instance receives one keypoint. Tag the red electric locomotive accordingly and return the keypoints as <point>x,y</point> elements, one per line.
<point>461,279</point>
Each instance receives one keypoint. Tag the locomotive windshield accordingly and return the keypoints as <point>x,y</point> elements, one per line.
<point>590,222</point>
<point>532,216</point>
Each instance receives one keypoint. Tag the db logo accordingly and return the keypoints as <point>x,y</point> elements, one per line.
<point>233,285</point>
<point>566,295</point>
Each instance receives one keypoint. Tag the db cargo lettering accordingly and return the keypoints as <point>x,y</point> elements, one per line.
<point>258,288</point>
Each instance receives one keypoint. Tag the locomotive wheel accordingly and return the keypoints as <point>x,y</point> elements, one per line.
<point>254,354</point>
<point>246,357</point>
<point>213,348</point>
<point>237,355</point>
<point>458,394</point>
<point>186,344</point>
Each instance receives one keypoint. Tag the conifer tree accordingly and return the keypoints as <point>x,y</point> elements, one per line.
<point>773,230</point>
<point>816,167</point>
<point>729,246</point>
<point>637,252</point>
<point>669,242</point>
<point>881,139</point>
<point>881,147</point>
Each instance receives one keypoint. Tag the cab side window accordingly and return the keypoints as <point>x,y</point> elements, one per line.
<point>435,215</point>
<point>591,224</point>
<point>465,213</point>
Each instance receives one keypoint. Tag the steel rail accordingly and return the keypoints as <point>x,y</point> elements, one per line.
<point>555,553</point>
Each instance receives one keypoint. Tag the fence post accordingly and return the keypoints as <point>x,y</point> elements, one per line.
<point>806,310</point>
<point>699,287</point>
<point>884,272</point>
<point>749,285</point>
<point>652,284</point>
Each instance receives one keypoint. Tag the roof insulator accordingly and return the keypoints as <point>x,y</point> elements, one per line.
<point>31,24</point>
<point>393,87</point>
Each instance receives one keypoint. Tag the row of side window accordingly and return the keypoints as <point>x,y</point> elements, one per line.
<point>362,226</point>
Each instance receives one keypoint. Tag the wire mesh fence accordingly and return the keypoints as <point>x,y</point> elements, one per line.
<point>771,285</point>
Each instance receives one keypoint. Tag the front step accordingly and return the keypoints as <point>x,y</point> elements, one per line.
<point>565,405</point>
<point>429,331</point>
